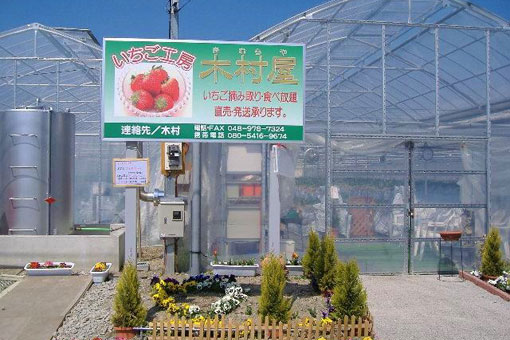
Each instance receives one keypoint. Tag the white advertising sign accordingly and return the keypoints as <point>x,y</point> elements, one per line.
<point>130,172</point>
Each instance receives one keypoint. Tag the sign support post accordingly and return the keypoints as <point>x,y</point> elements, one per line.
<point>131,209</point>
<point>274,205</point>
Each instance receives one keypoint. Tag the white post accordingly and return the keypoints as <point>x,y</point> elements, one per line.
<point>274,205</point>
<point>131,209</point>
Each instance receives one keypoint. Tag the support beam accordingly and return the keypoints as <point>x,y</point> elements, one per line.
<point>327,198</point>
<point>489,130</point>
<point>131,209</point>
<point>274,205</point>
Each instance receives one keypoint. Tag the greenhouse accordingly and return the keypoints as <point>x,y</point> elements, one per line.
<point>407,109</point>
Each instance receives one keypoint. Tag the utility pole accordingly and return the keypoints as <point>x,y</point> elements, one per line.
<point>173,33</point>
<point>173,19</point>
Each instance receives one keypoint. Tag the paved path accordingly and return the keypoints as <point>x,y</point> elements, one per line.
<point>422,307</point>
<point>37,305</point>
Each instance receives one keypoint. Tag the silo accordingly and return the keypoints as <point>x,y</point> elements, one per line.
<point>36,166</point>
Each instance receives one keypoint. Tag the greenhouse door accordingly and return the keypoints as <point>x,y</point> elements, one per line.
<point>446,191</point>
<point>391,197</point>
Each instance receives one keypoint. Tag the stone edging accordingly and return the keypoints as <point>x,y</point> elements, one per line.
<point>487,286</point>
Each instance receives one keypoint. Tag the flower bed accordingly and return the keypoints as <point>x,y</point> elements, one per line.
<point>499,286</point>
<point>162,291</point>
<point>49,268</point>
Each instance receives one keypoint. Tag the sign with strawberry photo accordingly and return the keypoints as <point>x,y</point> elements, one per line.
<point>202,91</point>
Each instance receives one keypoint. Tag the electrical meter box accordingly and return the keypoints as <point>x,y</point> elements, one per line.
<point>171,218</point>
<point>173,155</point>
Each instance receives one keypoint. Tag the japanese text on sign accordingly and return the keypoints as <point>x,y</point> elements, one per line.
<point>164,89</point>
<point>130,172</point>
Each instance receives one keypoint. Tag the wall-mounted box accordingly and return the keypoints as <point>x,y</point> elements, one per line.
<point>171,219</point>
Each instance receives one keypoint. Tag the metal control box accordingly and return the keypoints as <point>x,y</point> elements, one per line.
<point>173,155</point>
<point>171,218</point>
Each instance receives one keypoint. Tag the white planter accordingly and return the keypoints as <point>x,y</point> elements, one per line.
<point>225,269</point>
<point>99,277</point>
<point>50,271</point>
<point>295,270</point>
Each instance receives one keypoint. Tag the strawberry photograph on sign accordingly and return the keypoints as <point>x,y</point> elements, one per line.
<point>202,91</point>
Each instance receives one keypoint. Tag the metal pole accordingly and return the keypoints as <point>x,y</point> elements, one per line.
<point>131,209</point>
<point>263,208</point>
<point>15,81</point>
<point>383,62</point>
<point>436,60</point>
<point>410,204</point>
<point>173,19</point>
<point>57,98</point>
<point>173,32</point>
<point>274,205</point>
<point>328,208</point>
<point>409,11</point>
<point>488,166</point>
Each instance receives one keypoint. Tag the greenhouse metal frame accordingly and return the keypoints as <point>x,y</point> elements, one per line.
<point>407,109</point>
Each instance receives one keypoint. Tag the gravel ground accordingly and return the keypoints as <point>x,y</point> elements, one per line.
<point>422,307</point>
<point>90,317</point>
<point>404,307</point>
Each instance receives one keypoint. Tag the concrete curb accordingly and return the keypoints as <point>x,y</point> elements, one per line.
<point>487,286</point>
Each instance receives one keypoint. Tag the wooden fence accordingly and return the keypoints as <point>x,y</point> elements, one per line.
<point>258,329</point>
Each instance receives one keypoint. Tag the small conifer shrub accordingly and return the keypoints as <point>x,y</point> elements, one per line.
<point>329,264</point>
<point>312,260</point>
<point>492,257</point>
<point>349,297</point>
<point>272,303</point>
<point>127,304</point>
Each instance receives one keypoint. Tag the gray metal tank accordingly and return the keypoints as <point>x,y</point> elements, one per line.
<point>36,163</point>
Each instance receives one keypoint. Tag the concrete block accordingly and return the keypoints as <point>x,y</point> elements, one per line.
<point>83,250</point>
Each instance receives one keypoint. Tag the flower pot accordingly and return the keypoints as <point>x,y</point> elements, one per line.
<point>489,277</point>
<point>295,270</point>
<point>124,333</point>
<point>225,269</point>
<point>453,235</point>
<point>99,277</point>
<point>50,271</point>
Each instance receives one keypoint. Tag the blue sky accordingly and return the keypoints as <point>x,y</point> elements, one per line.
<point>200,19</point>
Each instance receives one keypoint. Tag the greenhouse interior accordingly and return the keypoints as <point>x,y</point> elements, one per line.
<point>407,113</point>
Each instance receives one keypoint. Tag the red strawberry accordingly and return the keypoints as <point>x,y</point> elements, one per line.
<point>163,102</point>
<point>152,84</point>
<point>171,87</point>
<point>159,73</point>
<point>136,82</point>
<point>142,100</point>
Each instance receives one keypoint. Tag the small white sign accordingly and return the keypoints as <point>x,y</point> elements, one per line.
<point>130,172</point>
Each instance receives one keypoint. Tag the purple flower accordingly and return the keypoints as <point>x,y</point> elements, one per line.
<point>174,281</point>
<point>155,279</point>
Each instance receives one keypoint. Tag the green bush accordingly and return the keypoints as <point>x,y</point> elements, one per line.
<point>271,301</point>
<point>349,297</point>
<point>312,260</point>
<point>329,259</point>
<point>127,304</point>
<point>492,257</point>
